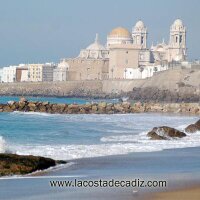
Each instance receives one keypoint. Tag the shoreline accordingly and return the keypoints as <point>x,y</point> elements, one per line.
<point>82,165</point>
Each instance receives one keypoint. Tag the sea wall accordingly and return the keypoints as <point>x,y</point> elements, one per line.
<point>174,85</point>
<point>101,108</point>
<point>68,88</point>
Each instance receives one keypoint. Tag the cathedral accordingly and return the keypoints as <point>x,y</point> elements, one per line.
<point>126,55</point>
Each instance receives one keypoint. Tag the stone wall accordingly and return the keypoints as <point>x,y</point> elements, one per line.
<point>68,88</point>
<point>174,85</point>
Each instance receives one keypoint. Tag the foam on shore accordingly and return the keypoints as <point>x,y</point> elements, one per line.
<point>111,145</point>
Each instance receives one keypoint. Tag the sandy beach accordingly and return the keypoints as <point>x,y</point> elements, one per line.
<point>192,193</point>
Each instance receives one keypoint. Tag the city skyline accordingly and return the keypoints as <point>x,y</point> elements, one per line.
<point>37,32</point>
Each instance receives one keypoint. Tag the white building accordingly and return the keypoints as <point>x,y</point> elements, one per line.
<point>143,72</point>
<point>9,74</point>
<point>60,73</point>
<point>1,74</point>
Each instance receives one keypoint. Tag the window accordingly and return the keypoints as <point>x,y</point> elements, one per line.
<point>142,40</point>
<point>176,39</point>
<point>180,40</point>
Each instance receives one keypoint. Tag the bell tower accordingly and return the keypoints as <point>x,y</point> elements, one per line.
<point>178,35</point>
<point>177,43</point>
<point>139,34</point>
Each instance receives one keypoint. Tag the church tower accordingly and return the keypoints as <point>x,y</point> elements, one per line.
<point>139,34</point>
<point>177,43</point>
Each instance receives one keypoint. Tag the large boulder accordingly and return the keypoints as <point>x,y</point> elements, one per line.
<point>165,133</point>
<point>73,109</point>
<point>23,99</point>
<point>192,128</point>
<point>32,106</point>
<point>12,164</point>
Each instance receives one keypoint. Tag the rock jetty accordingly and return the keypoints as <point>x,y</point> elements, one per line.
<point>99,108</point>
<point>12,164</point>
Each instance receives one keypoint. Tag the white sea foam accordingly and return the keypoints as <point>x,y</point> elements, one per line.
<point>33,113</point>
<point>2,145</point>
<point>112,145</point>
<point>66,152</point>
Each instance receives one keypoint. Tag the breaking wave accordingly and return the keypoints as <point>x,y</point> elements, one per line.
<point>2,145</point>
<point>111,145</point>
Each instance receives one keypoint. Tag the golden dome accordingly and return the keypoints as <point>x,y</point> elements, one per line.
<point>120,32</point>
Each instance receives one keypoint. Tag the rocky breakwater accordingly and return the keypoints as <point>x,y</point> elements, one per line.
<point>99,108</point>
<point>12,164</point>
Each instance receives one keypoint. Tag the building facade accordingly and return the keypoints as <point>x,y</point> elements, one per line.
<point>22,74</point>
<point>47,72</point>
<point>9,74</point>
<point>91,64</point>
<point>41,72</point>
<point>60,72</point>
<point>35,72</point>
<point>175,50</point>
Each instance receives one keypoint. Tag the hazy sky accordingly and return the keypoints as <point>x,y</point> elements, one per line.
<point>47,30</point>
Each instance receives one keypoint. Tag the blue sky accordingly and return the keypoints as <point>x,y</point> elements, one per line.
<point>47,30</point>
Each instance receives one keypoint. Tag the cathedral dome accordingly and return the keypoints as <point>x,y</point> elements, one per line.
<point>96,46</point>
<point>177,25</point>
<point>178,22</point>
<point>139,24</point>
<point>120,32</point>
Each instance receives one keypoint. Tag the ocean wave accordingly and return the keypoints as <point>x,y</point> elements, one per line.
<point>70,152</point>
<point>2,145</point>
<point>124,138</point>
<point>34,113</point>
<point>112,145</point>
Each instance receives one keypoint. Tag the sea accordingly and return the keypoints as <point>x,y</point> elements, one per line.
<point>95,146</point>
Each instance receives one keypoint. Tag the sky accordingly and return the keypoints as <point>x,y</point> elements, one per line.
<point>38,31</point>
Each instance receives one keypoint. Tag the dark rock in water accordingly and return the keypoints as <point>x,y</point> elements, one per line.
<point>12,164</point>
<point>198,123</point>
<point>192,128</point>
<point>155,136</point>
<point>164,133</point>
